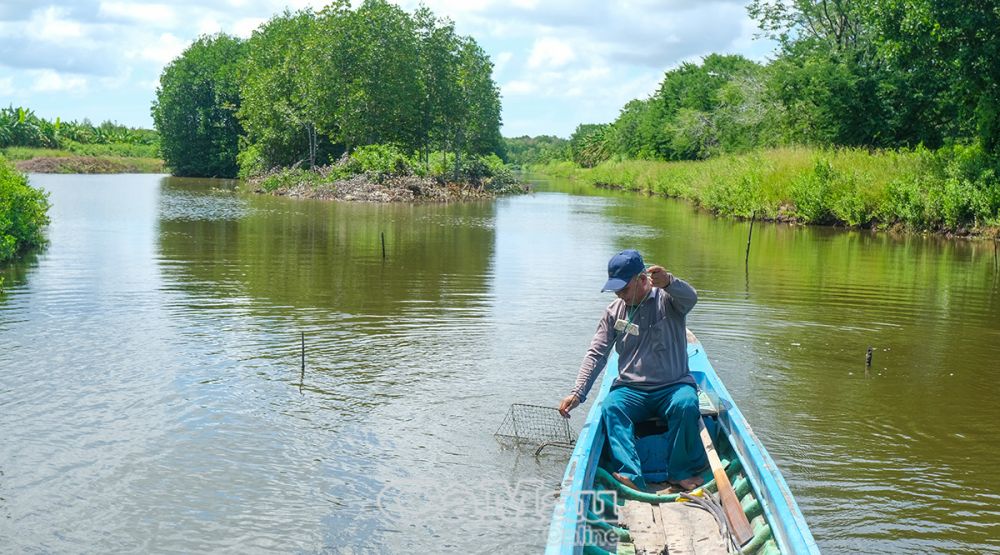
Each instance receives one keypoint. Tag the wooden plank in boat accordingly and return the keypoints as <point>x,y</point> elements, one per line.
<point>671,528</point>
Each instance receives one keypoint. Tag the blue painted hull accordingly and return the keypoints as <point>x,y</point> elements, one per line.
<point>569,532</point>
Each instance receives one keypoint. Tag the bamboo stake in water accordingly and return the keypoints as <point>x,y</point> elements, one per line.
<point>752,218</point>
<point>383,245</point>
<point>302,377</point>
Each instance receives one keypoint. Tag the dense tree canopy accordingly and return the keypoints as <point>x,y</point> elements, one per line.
<point>309,86</point>
<point>195,108</point>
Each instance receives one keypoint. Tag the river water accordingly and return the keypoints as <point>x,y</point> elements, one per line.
<point>151,391</point>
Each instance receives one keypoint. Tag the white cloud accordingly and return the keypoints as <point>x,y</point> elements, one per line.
<point>164,49</point>
<point>116,81</point>
<point>550,52</point>
<point>519,87</point>
<point>6,86</point>
<point>246,26</point>
<point>53,27</point>
<point>50,81</point>
<point>148,84</point>
<point>153,15</point>
<point>451,8</point>
<point>209,26</point>
<point>500,62</point>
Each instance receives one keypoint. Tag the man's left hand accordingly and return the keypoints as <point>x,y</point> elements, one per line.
<point>659,276</point>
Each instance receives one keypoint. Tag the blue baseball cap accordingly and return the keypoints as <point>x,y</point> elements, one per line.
<point>622,268</point>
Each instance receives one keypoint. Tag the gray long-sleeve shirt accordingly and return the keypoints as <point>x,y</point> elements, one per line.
<point>655,358</point>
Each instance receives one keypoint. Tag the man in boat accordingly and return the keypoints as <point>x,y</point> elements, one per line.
<point>647,326</point>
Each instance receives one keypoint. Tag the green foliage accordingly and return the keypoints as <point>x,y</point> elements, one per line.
<point>381,161</point>
<point>195,108</point>
<point>638,131</point>
<point>278,110</point>
<point>20,127</point>
<point>15,153</point>
<point>286,178</point>
<point>251,160</point>
<point>23,212</point>
<point>949,53</point>
<point>126,150</point>
<point>811,194</point>
<point>441,164</point>
<point>588,145</point>
<point>525,150</point>
<point>741,195</point>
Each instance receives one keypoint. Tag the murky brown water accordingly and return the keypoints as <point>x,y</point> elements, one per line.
<point>150,368</point>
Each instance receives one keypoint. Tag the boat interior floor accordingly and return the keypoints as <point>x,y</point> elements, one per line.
<point>674,528</point>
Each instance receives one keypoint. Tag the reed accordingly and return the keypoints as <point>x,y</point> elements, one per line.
<point>953,189</point>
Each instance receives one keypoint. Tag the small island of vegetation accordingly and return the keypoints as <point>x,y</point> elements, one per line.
<point>372,103</point>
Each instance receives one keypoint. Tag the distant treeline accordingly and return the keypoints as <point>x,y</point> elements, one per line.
<point>881,75</point>
<point>308,86</point>
<point>20,127</point>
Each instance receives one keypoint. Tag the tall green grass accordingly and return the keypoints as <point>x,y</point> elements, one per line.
<point>73,148</point>
<point>953,189</point>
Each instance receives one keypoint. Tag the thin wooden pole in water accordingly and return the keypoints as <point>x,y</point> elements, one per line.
<point>302,377</point>
<point>383,245</point>
<point>753,217</point>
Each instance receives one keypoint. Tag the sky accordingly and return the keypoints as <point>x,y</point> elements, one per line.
<point>558,63</point>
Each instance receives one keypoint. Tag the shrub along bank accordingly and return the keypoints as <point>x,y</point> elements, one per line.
<point>954,189</point>
<point>23,212</point>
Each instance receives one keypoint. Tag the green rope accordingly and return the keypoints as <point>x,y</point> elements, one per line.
<point>606,478</point>
<point>599,523</point>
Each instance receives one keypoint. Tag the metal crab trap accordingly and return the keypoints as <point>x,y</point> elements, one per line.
<point>535,425</point>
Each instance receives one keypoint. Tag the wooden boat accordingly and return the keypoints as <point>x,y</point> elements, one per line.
<point>593,509</point>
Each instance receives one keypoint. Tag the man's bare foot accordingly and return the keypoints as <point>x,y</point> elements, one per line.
<point>689,484</point>
<point>624,480</point>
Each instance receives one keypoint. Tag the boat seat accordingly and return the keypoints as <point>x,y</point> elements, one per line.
<point>650,427</point>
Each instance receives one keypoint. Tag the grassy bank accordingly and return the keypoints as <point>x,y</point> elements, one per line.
<point>86,158</point>
<point>951,190</point>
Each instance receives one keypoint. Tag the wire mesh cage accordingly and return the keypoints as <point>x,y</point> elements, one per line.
<point>535,425</point>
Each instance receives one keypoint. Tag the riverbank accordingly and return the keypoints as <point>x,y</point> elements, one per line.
<point>90,164</point>
<point>952,191</point>
<point>49,160</point>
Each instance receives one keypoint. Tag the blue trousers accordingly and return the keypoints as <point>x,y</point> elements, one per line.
<point>678,405</point>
